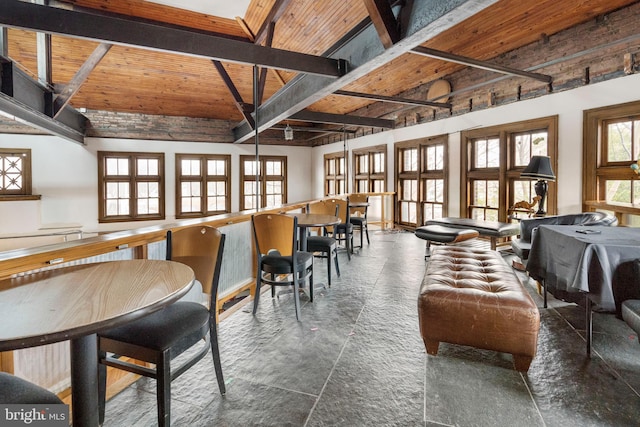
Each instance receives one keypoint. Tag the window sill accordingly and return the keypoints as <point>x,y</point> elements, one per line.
<point>18,197</point>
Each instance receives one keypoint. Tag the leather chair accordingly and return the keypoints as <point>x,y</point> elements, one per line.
<point>358,215</point>
<point>162,336</point>
<point>322,243</point>
<point>522,246</point>
<point>280,263</point>
<point>15,390</point>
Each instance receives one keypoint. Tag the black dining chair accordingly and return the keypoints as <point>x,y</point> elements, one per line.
<point>358,214</point>
<point>279,262</point>
<point>165,334</point>
<point>16,390</point>
<point>344,230</point>
<point>323,243</point>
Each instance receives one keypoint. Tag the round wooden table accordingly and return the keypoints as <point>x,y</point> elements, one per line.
<point>74,303</point>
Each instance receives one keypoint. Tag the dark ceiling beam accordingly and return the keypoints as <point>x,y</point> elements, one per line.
<point>126,32</point>
<point>394,99</point>
<point>341,119</point>
<point>274,14</point>
<point>27,101</point>
<point>244,108</point>
<point>71,88</point>
<point>366,53</point>
<point>313,129</point>
<point>384,20</point>
<point>484,65</point>
<point>262,80</point>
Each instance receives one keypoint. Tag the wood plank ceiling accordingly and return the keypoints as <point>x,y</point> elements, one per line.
<point>136,80</point>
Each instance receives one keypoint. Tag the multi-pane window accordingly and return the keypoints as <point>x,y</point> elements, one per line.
<point>370,172</point>
<point>612,148</point>
<point>421,180</point>
<point>271,173</point>
<point>493,160</point>
<point>131,186</point>
<point>15,172</point>
<point>202,185</point>
<point>433,181</point>
<point>334,174</point>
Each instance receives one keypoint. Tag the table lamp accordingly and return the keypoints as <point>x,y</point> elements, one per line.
<point>540,168</point>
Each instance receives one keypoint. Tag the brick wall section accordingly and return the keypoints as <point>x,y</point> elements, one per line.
<point>602,64</point>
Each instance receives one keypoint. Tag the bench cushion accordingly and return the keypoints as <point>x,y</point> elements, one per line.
<point>485,228</point>
<point>442,234</point>
<point>472,297</point>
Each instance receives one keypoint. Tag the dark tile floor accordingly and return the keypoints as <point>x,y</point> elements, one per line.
<point>357,359</point>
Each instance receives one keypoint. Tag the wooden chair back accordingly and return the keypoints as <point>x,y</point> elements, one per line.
<point>323,207</point>
<point>199,247</point>
<point>360,211</point>
<point>274,231</point>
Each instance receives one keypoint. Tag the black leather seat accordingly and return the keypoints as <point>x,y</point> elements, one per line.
<point>15,390</point>
<point>522,246</point>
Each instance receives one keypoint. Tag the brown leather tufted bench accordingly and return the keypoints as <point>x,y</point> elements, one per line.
<point>472,297</point>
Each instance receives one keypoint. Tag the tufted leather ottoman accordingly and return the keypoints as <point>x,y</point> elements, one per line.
<point>472,297</point>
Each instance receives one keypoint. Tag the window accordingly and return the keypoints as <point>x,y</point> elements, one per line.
<point>420,180</point>
<point>493,159</point>
<point>370,172</point>
<point>131,186</point>
<point>202,185</point>
<point>612,145</point>
<point>272,176</point>
<point>334,174</point>
<point>15,172</point>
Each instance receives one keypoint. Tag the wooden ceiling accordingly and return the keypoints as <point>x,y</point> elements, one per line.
<point>138,80</point>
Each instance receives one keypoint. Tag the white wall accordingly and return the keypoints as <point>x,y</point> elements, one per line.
<point>568,105</point>
<point>65,174</point>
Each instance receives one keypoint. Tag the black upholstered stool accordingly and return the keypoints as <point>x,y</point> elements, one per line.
<point>443,235</point>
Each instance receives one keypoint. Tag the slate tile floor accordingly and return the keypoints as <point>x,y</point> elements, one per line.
<point>357,359</point>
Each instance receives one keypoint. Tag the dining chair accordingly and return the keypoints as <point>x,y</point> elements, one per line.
<point>165,334</point>
<point>344,230</point>
<point>323,243</point>
<point>16,390</point>
<point>279,262</point>
<point>359,214</point>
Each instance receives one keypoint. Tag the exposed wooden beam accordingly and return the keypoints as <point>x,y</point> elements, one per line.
<point>244,108</point>
<point>428,18</point>
<point>313,129</point>
<point>129,32</point>
<point>470,62</point>
<point>341,119</point>
<point>263,71</point>
<point>274,14</point>
<point>394,99</point>
<point>43,54</point>
<point>71,88</point>
<point>252,37</point>
<point>26,100</point>
<point>384,21</point>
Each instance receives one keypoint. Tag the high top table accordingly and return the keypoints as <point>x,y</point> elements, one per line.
<point>74,303</point>
<point>309,220</point>
<point>576,258</point>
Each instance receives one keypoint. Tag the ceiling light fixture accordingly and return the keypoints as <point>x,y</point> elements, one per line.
<point>288,133</point>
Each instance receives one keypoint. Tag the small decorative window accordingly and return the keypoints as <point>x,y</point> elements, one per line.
<point>15,172</point>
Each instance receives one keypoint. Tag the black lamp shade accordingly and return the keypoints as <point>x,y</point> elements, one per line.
<point>539,168</point>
